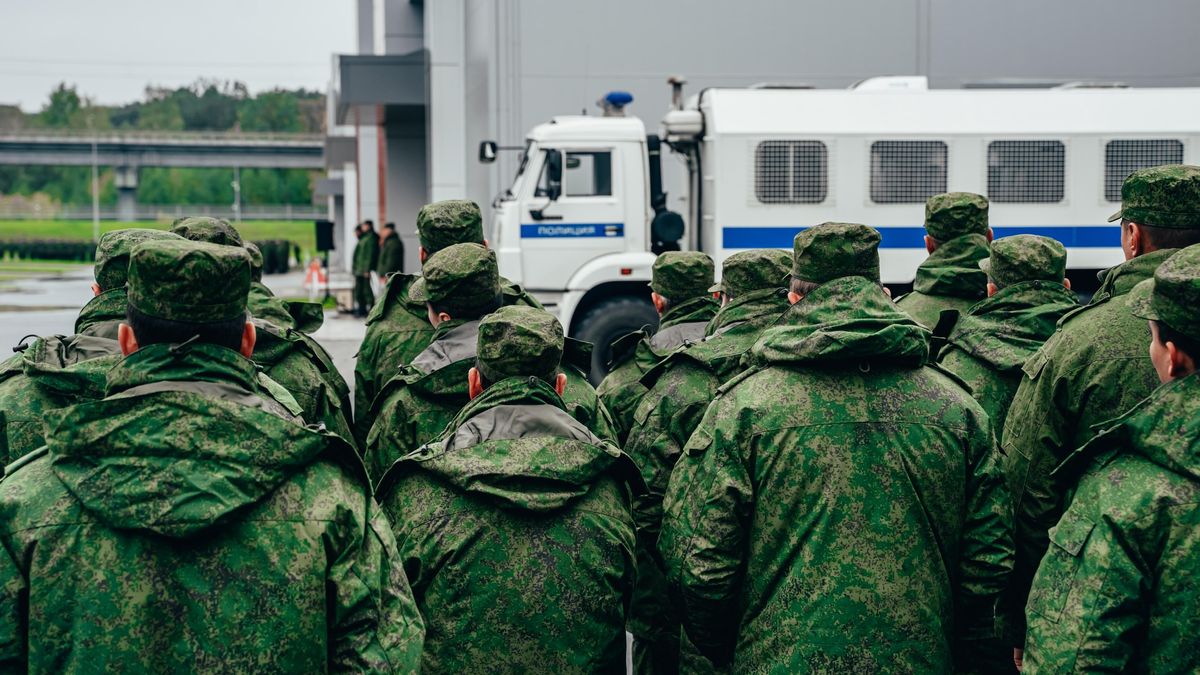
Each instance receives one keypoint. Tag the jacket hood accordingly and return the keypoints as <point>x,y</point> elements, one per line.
<point>516,446</point>
<point>953,269</point>
<point>1164,428</point>
<point>1119,280</point>
<point>761,307</point>
<point>75,366</point>
<point>174,462</point>
<point>102,314</point>
<point>1007,328</point>
<point>453,341</point>
<point>848,319</point>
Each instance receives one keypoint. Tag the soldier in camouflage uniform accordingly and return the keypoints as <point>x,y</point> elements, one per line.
<point>57,371</point>
<point>840,506</point>
<point>1027,295</point>
<point>679,390</point>
<point>957,239</point>
<point>391,252</point>
<point>679,284</point>
<point>460,286</point>
<point>398,327</point>
<point>515,526</point>
<point>1116,592</point>
<point>366,257</point>
<point>1094,368</point>
<point>184,523</point>
<point>285,352</point>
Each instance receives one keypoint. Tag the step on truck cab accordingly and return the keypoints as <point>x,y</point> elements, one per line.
<point>585,217</point>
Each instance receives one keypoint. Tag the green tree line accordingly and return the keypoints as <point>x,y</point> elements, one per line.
<point>206,105</point>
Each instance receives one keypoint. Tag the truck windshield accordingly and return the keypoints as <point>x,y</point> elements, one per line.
<point>511,192</point>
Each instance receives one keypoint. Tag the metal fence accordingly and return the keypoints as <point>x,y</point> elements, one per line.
<point>166,212</point>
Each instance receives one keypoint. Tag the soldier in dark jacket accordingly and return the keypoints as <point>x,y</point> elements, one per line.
<point>957,239</point>
<point>515,526</point>
<point>391,252</point>
<point>366,257</point>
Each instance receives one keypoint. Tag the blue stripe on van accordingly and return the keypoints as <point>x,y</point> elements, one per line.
<point>571,230</point>
<point>1103,236</point>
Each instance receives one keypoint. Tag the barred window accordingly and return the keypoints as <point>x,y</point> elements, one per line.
<point>907,172</point>
<point>1026,171</point>
<point>791,172</point>
<point>1122,158</point>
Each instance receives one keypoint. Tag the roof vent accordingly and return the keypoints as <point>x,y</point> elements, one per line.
<point>892,83</point>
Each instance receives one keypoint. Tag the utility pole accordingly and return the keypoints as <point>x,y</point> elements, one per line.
<point>237,194</point>
<point>95,195</point>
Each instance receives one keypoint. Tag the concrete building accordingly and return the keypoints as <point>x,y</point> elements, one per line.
<point>431,80</point>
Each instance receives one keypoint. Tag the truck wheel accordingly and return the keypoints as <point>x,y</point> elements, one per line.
<point>608,320</point>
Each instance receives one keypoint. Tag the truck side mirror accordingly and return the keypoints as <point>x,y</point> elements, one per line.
<point>487,152</point>
<point>554,170</point>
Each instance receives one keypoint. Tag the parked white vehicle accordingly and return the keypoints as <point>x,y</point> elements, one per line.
<point>586,214</point>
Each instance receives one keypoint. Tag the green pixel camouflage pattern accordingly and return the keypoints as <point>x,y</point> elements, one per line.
<point>682,275</point>
<point>164,530</point>
<point>987,348</point>
<point>954,214</point>
<point>519,341</point>
<point>103,314</point>
<point>1094,368</point>
<point>636,353</point>
<point>949,278</point>
<point>840,507</point>
<point>391,253</point>
<point>516,535</point>
<point>754,270</point>
<point>462,279</point>
<point>262,304</point>
<point>208,229</point>
<point>366,254</point>
<point>1117,590</point>
<point>397,331</point>
<point>1173,295</point>
<point>112,254</point>
<point>1025,257</point>
<point>1162,196</point>
<point>256,261</point>
<point>416,406</point>
<point>834,250</point>
<point>189,280</point>
<point>449,222</point>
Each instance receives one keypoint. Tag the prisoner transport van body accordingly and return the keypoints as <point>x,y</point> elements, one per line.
<point>586,214</point>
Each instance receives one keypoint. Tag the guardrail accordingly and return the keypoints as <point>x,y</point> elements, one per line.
<point>170,212</point>
<point>123,135</point>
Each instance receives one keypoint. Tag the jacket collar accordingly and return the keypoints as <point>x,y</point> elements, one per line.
<point>197,362</point>
<point>101,315</point>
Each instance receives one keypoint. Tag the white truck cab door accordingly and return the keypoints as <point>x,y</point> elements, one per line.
<point>566,224</point>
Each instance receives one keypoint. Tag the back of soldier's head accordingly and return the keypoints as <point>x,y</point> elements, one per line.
<point>1164,201</point>
<point>678,276</point>
<point>519,341</point>
<point>833,251</point>
<point>207,229</point>
<point>462,280</point>
<point>758,269</point>
<point>449,222</point>
<point>183,290</point>
<point>112,254</point>
<point>1023,258</point>
<point>955,214</point>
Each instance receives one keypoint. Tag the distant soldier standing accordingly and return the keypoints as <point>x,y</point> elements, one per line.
<point>185,522</point>
<point>391,252</point>
<point>957,238</point>
<point>840,507</point>
<point>1116,592</point>
<point>515,526</point>
<point>679,284</point>
<point>1027,294</point>
<point>366,257</point>
<point>1094,368</point>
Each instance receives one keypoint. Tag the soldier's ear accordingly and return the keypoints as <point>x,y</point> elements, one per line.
<point>126,339</point>
<point>95,288</point>
<point>249,337</point>
<point>1067,283</point>
<point>422,255</point>
<point>560,383</point>
<point>930,244</point>
<point>990,234</point>
<point>474,383</point>
<point>794,297</point>
<point>992,290</point>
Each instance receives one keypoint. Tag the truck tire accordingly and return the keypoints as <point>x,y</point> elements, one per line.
<point>608,320</point>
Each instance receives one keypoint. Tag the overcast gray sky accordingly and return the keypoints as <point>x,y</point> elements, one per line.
<point>112,49</point>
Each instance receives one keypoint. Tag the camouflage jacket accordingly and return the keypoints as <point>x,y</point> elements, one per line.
<point>102,314</point>
<point>638,352</point>
<point>391,255</point>
<point>262,304</point>
<point>366,254</point>
<point>52,372</point>
<point>988,346</point>
<point>516,535</point>
<point>181,524</point>
<point>397,330</point>
<point>1116,592</point>
<point>417,405</point>
<point>949,278</point>
<point>302,366</point>
<point>1094,368</point>
<point>679,391</point>
<point>840,506</point>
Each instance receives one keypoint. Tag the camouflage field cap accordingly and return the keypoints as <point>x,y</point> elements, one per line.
<point>1162,196</point>
<point>754,270</point>
<point>256,261</point>
<point>1173,295</point>
<point>193,281</point>
<point>463,276</point>
<point>834,250</point>
<point>682,275</point>
<point>1025,257</point>
<point>954,214</point>
<point>519,341</point>
<point>206,228</point>
<point>112,254</point>
<point>449,222</point>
